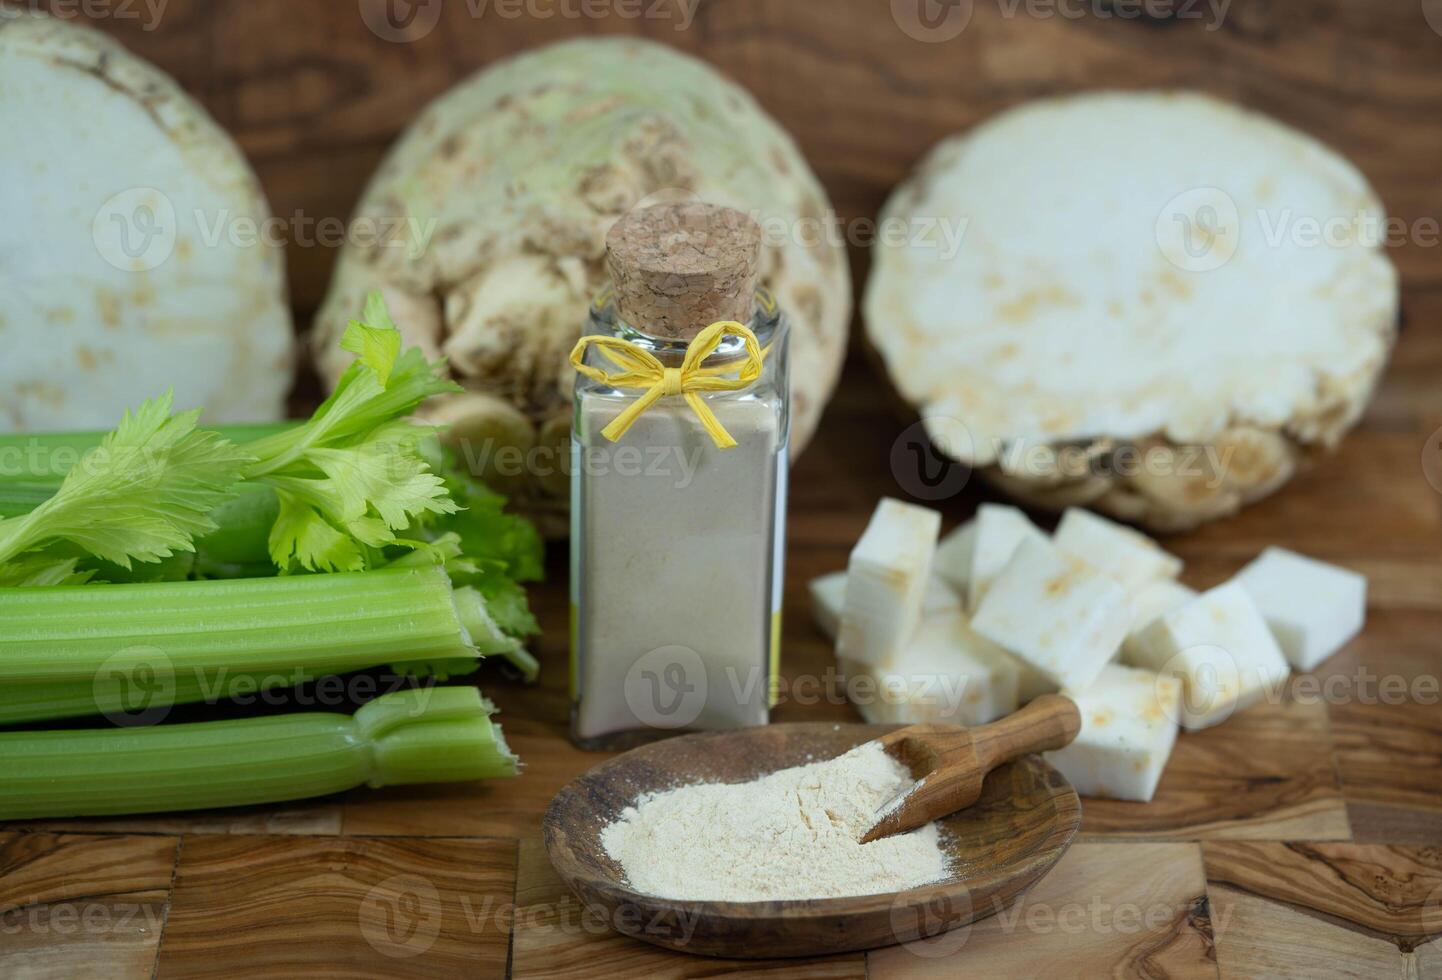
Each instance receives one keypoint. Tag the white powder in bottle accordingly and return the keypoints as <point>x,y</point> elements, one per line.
<point>788,835</point>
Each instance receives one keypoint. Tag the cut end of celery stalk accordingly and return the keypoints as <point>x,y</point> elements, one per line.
<point>488,637</point>
<point>438,735</point>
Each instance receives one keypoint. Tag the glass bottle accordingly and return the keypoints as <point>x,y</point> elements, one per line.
<point>676,544</point>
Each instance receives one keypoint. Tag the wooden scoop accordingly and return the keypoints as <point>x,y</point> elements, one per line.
<point>950,762</point>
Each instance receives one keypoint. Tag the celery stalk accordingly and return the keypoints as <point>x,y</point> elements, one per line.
<point>160,631</point>
<point>435,735</point>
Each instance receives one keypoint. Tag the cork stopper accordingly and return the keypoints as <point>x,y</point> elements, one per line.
<point>678,268</point>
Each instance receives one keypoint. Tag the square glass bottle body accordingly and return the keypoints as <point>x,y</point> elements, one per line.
<point>677,547</point>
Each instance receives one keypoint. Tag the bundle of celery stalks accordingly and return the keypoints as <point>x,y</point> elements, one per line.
<point>163,563</point>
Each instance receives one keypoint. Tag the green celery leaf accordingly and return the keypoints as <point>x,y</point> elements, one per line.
<point>355,470</point>
<point>377,342</point>
<point>144,493</point>
<point>302,538</point>
<point>41,568</point>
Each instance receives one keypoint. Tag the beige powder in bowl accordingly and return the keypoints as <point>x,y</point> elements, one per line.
<point>790,835</point>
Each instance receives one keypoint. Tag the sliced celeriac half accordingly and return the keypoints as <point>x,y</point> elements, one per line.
<point>1164,346</point>
<point>1129,725</point>
<point>1055,612</point>
<point>1311,607</point>
<point>886,582</point>
<point>1221,649</point>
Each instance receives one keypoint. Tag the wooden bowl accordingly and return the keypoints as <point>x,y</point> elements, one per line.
<point>1020,827</point>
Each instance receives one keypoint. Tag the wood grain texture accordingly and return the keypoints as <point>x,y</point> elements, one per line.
<point>292,906</point>
<point>307,817</point>
<point>1324,910</point>
<point>1107,910</point>
<point>1388,749</point>
<point>73,905</point>
<point>1015,832</point>
<point>314,98</point>
<point>1264,773</point>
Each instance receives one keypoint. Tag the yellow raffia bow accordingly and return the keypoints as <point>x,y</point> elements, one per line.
<point>640,369</point>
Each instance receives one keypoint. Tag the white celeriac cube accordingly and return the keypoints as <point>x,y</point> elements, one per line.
<point>953,557</point>
<point>1150,604</point>
<point>1055,612</point>
<point>886,582</point>
<point>828,595</point>
<point>1129,725</point>
<point>1220,647</point>
<point>947,674</point>
<point>973,556</point>
<point>1312,608</point>
<point>1125,555</point>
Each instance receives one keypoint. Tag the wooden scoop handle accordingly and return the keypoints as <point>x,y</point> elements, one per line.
<point>951,763</point>
<point>1050,722</point>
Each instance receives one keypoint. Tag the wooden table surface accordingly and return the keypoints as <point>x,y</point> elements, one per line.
<point>1298,839</point>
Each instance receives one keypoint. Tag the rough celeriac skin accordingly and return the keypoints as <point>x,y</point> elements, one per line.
<point>120,275</point>
<point>1074,329</point>
<point>498,199</point>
